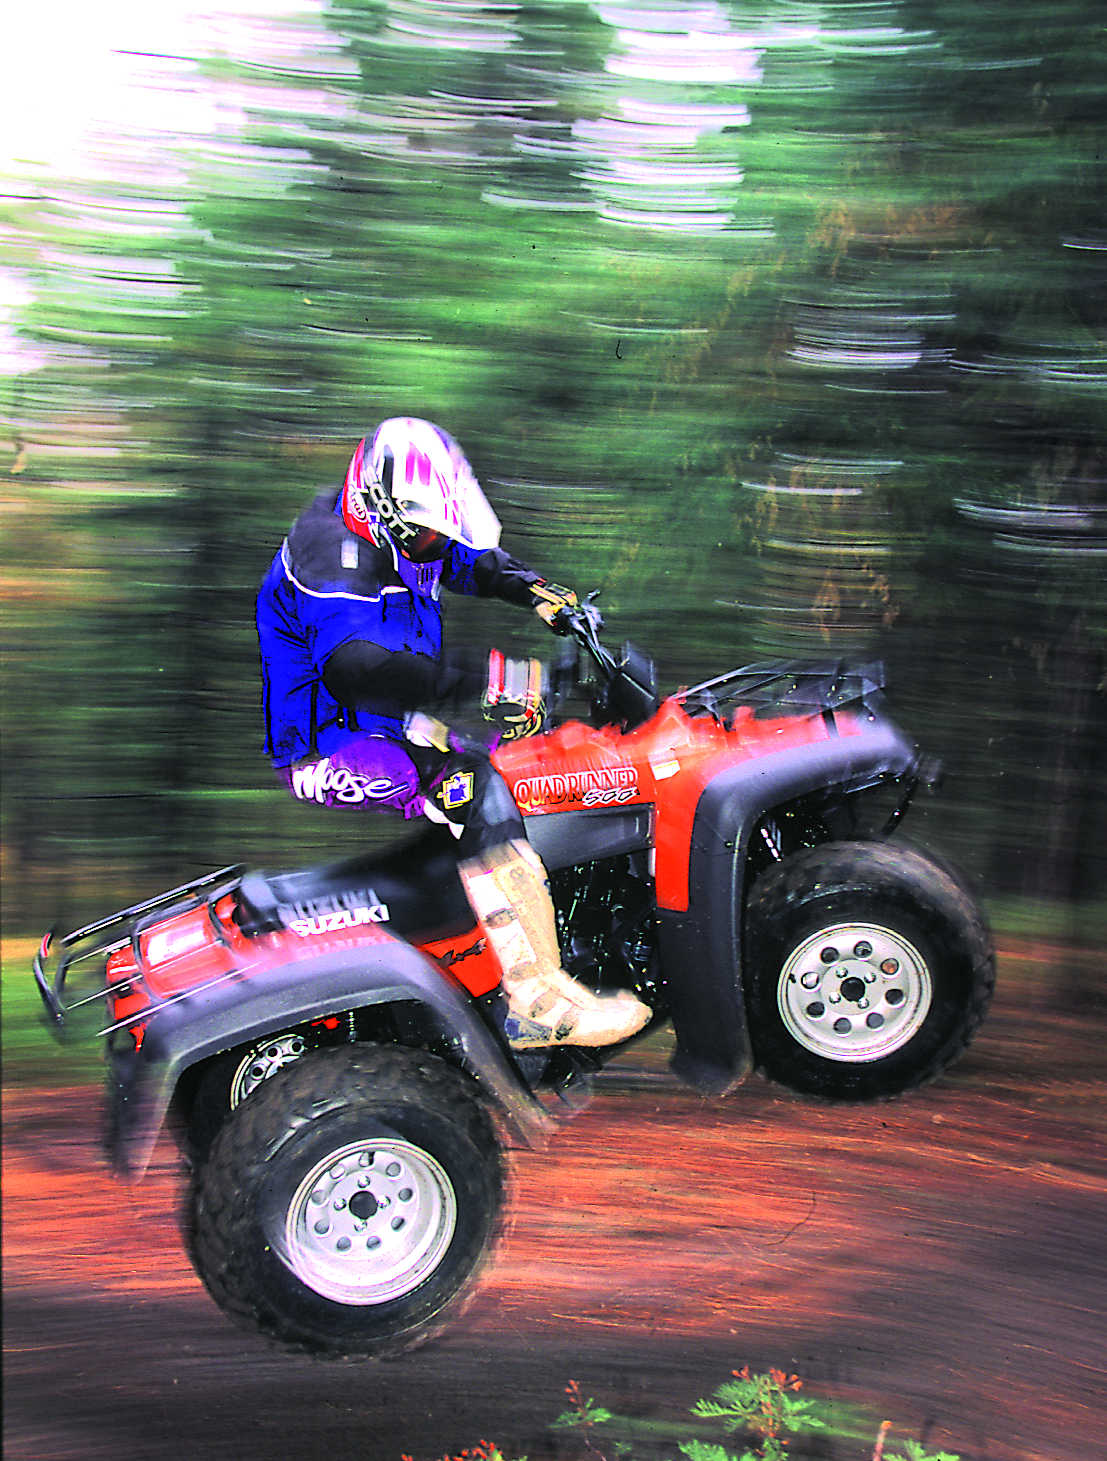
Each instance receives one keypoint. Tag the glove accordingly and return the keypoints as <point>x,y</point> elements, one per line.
<point>514,699</point>
<point>550,600</point>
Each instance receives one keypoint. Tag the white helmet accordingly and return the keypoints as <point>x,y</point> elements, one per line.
<point>412,482</point>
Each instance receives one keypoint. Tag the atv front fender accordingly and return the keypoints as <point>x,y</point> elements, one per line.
<point>701,948</point>
<point>249,1006</point>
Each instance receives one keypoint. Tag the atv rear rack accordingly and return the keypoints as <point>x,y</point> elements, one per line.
<point>120,930</point>
<point>783,686</point>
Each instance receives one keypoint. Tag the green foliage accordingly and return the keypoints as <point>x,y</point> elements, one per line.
<point>31,1055</point>
<point>765,1406</point>
<point>583,1413</point>
<point>762,1409</point>
<point>915,1451</point>
<point>711,1451</point>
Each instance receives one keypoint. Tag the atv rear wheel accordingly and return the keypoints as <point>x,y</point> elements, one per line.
<point>868,970</point>
<point>345,1209</point>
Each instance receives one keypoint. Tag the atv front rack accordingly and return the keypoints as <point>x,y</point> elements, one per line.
<point>120,930</point>
<point>784,687</point>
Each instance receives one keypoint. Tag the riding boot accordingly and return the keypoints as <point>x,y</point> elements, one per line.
<point>507,889</point>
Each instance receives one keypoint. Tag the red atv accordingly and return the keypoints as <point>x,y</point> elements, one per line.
<point>329,1043</point>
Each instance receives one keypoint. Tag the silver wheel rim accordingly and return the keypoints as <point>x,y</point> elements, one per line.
<point>369,1222</point>
<point>263,1061</point>
<point>854,992</point>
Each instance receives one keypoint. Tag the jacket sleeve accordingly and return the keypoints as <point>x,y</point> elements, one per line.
<point>490,574</point>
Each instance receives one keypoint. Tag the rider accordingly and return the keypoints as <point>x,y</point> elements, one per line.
<point>355,679</point>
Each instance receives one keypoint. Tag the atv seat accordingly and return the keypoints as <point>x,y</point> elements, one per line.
<point>415,887</point>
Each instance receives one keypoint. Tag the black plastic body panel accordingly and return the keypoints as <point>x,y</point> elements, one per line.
<point>237,1011</point>
<point>701,950</point>
<point>565,839</point>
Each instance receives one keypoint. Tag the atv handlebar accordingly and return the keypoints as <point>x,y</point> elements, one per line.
<point>625,689</point>
<point>582,622</point>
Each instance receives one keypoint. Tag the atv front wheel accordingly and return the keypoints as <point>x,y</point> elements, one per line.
<point>868,970</point>
<point>228,1079</point>
<point>346,1207</point>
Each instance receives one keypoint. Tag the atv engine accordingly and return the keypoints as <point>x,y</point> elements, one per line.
<point>605,924</point>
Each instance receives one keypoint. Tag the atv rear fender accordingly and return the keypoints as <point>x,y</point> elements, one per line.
<point>701,948</point>
<point>240,1011</point>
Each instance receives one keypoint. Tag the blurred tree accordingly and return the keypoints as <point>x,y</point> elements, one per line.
<point>1019,127</point>
<point>783,324</point>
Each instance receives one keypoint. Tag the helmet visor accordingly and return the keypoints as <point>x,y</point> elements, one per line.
<point>460,517</point>
<point>426,546</point>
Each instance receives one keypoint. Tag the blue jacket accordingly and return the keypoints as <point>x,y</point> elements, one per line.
<point>327,588</point>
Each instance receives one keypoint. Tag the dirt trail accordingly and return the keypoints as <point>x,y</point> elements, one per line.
<point>939,1261</point>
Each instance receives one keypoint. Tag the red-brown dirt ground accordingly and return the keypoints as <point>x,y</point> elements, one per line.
<point>940,1261</point>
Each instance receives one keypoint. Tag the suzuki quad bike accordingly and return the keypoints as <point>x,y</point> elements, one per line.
<point>328,1044</point>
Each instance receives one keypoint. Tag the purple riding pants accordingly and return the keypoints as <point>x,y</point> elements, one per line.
<point>369,773</point>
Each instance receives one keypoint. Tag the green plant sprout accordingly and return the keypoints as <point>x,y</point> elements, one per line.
<point>763,1411</point>
<point>764,1406</point>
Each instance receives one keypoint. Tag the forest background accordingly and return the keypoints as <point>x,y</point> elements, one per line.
<point>782,324</point>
